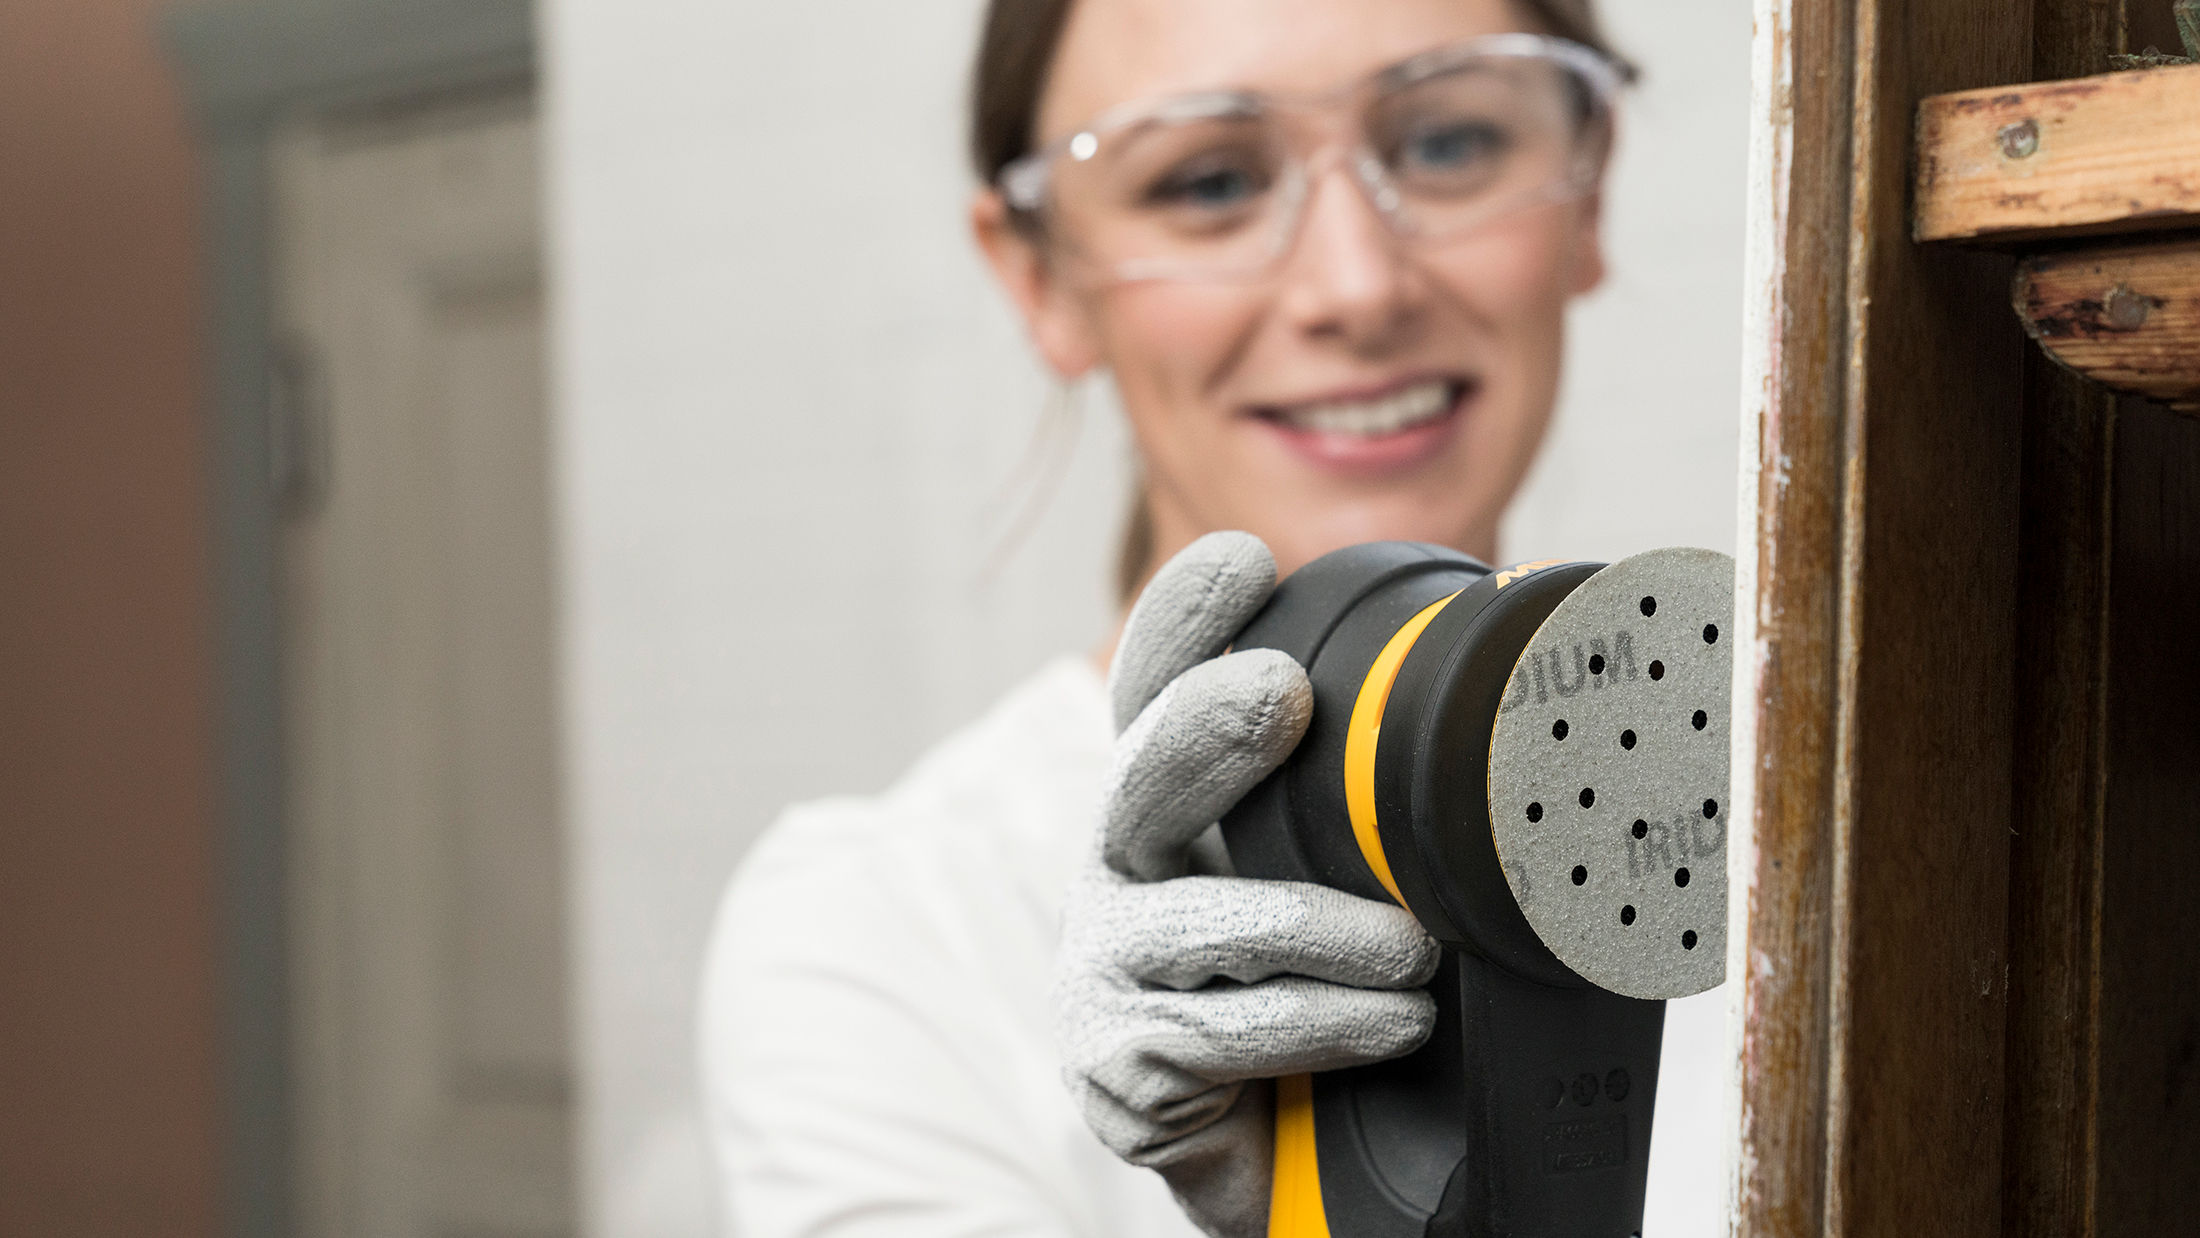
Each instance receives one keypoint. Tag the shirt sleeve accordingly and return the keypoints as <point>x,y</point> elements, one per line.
<point>859,1082</point>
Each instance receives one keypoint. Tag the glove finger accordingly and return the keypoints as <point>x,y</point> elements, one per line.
<point>1187,614</point>
<point>1220,728</point>
<point>1285,1026</point>
<point>1188,932</point>
<point>1223,1174</point>
<point>1137,1134</point>
<point>1219,1163</point>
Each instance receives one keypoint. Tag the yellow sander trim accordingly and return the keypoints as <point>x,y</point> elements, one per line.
<point>1366,730</point>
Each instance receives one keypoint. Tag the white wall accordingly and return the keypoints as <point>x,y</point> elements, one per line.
<point>787,399</point>
<point>1645,448</point>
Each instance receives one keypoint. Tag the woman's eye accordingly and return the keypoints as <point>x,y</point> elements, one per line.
<point>1208,187</point>
<point>1448,148</point>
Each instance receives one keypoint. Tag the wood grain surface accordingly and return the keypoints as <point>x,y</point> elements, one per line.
<point>1971,993</point>
<point>2117,152</point>
<point>1889,443</point>
<point>2060,779</point>
<point>1929,574</point>
<point>2148,994</point>
<point>2127,317</point>
<point>2059,782</point>
<point>1780,937</point>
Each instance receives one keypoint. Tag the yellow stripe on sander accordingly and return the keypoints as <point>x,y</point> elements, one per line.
<point>1360,739</point>
<point>1295,1199</point>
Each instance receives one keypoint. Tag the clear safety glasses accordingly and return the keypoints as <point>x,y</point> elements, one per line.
<point>1213,186</point>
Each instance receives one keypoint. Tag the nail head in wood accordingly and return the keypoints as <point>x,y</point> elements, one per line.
<point>2125,316</point>
<point>2020,140</point>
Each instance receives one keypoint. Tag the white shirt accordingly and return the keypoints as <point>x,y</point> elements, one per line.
<point>876,1033</point>
<point>877,1038</point>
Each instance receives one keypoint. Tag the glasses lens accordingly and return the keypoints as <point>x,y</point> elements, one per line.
<point>1175,195</point>
<point>1485,137</point>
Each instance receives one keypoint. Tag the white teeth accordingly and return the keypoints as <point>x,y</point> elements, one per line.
<point>1388,414</point>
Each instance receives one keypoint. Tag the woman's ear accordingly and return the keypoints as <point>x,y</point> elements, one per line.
<point>1055,319</point>
<point>1589,246</point>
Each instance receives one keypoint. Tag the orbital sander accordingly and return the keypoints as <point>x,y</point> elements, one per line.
<point>1533,762</point>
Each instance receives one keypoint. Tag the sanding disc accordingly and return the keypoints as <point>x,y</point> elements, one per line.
<point>1608,779</point>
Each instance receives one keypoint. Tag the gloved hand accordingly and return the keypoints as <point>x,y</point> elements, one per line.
<point>1179,996</point>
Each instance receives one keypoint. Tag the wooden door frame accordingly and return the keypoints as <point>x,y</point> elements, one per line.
<point>250,67</point>
<point>1933,734</point>
<point>1870,955</point>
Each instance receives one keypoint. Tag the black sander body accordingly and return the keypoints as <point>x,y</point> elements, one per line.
<point>1533,762</point>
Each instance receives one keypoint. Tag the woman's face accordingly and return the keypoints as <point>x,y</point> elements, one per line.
<point>1273,406</point>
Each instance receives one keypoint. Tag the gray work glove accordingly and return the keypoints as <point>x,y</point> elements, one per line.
<point>1179,995</point>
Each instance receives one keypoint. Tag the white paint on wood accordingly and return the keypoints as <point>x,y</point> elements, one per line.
<point>1771,137</point>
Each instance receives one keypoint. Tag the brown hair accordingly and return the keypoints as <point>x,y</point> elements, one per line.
<point>1016,51</point>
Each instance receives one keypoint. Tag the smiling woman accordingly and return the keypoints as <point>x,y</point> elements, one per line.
<point>1319,359</point>
<point>1325,250</point>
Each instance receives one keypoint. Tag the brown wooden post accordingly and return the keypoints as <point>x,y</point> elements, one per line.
<point>1888,466</point>
<point>1971,973</point>
<point>2146,994</point>
<point>2061,751</point>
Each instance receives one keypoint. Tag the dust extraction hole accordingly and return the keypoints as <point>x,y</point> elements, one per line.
<point>1627,914</point>
<point>1581,875</point>
<point>1710,809</point>
<point>1711,634</point>
<point>1649,607</point>
<point>1558,729</point>
<point>1700,721</point>
<point>1627,740</point>
<point>1535,813</point>
<point>1642,829</point>
<point>1680,878</point>
<point>1596,663</point>
<point>1657,670</point>
<point>1588,798</point>
<point>1688,940</point>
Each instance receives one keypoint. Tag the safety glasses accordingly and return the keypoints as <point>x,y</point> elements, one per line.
<point>1214,186</point>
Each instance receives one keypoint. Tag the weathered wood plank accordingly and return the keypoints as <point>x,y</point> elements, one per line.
<point>2118,152</point>
<point>1935,398</point>
<point>2126,317</point>
<point>1780,957</point>
<point>2063,539</point>
<point>2149,987</point>
<point>2049,1135</point>
<point>1874,879</point>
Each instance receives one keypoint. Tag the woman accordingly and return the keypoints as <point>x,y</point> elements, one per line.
<point>1324,248</point>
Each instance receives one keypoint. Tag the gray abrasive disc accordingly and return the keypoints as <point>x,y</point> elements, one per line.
<point>1608,779</point>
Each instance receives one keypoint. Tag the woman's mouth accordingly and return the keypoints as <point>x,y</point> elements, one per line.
<point>1394,429</point>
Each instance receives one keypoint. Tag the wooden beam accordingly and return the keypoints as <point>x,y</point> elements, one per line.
<point>2148,991</point>
<point>2126,317</point>
<point>1780,934</point>
<point>2064,539</point>
<point>1872,885</point>
<point>2115,153</point>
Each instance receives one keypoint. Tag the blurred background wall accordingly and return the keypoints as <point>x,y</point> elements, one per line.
<point>109,1115</point>
<point>788,408</point>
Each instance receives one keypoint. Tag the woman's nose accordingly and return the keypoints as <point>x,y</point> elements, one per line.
<point>1347,275</point>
